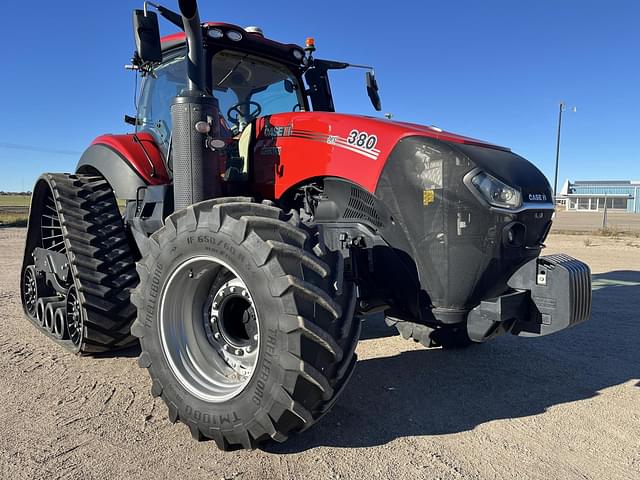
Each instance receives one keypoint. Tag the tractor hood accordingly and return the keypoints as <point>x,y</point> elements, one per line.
<point>333,144</point>
<point>433,194</point>
<point>411,129</point>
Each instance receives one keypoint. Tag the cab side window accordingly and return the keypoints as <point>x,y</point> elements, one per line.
<point>154,107</point>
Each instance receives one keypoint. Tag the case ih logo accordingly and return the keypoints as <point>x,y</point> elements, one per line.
<point>537,197</point>
<point>272,132</point>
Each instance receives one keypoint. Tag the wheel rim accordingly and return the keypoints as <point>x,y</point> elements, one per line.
<point>74,316</point>
<point>209,329</point>
<point>30,289</point>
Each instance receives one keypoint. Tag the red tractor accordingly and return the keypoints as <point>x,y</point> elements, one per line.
<point>260,226</point>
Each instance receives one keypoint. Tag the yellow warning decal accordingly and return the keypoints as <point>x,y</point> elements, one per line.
<point>428,196</point>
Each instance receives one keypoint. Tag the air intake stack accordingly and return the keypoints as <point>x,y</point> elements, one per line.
<point>193,113</point>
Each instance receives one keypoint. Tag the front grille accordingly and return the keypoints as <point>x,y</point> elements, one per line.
<point>361,207</point>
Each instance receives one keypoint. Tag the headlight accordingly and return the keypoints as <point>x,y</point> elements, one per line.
<point>496,192</point>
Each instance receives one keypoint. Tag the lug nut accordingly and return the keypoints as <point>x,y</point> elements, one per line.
<point>248,349</point>
<point>215,305</point>
<point>216,335</point>
<point>233,289</point>
<point>245,293</point>
<point>226,347</point>
<point>214,319</point>
<point>255,337</point>
<point>238,352</point>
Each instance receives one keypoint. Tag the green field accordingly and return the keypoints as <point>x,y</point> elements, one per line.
<point>25,200</point>
<point>14,210</point>
<point>13,220</point>
<point>14,200</point>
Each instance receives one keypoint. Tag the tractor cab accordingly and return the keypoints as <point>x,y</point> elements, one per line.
<point>248,75</point>
<point>245,84</point>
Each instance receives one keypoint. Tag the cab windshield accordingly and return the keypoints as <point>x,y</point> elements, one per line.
<point>246,87</point>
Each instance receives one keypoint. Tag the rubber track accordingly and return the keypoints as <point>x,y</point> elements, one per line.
<point>100,259</point>
<point>304,281</point>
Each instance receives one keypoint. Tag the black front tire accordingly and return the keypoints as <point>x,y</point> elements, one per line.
<point>305,311</point>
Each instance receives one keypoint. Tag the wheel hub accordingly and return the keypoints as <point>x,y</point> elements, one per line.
<point>232,326</point>
<point>209,328</point>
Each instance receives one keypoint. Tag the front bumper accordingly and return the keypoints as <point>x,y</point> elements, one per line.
<point>548,294</point>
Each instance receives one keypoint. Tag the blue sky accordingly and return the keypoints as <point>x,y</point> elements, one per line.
<point>492,69</point>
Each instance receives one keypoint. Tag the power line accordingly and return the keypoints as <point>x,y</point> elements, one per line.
<point>33,148</point>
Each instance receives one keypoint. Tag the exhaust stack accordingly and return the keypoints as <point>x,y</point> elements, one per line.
<point>194,177</point>
<point>193,32</point>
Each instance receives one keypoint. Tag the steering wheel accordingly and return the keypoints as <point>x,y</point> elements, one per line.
<point>250,116</point>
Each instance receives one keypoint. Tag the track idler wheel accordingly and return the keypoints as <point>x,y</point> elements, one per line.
<point>73,317</point>
<point>32,287</point>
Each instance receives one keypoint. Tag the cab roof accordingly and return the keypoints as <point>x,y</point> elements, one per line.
<point>249,41</point>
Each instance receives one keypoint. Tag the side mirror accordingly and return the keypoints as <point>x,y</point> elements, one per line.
<point>372,90</point>
<point>147,36</point>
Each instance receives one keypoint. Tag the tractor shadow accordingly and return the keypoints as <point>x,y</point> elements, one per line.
<point>133,351</point>
<point>373,326</point>
<point>434,392</point>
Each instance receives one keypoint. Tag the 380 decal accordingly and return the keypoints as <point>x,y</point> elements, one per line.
<point>358,142</point>
<point>362,139</point>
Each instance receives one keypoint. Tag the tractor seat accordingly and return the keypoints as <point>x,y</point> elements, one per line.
<point>237,166</point>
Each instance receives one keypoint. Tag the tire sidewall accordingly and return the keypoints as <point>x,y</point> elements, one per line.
<point>258,394</point>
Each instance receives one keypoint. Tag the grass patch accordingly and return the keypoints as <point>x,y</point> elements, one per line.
<point>15,200</point>
<point>13,219</point>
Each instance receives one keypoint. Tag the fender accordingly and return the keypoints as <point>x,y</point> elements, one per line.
<point>128,162</point>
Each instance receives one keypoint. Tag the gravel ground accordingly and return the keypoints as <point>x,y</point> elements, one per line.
<point>565,406</point>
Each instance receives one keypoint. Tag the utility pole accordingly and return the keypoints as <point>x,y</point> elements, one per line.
<point>561,109</point>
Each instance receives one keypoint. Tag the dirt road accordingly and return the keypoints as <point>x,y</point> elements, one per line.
<point>566,406</point>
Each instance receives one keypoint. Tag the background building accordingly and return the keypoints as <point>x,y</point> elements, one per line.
<point>591,195</point>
